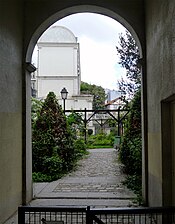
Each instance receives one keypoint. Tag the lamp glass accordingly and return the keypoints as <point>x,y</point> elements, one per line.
<point>64,93</point>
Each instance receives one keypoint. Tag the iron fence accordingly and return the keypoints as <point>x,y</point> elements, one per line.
<point>87,215</point>
<point>51,215</point>
<point>159,215</point>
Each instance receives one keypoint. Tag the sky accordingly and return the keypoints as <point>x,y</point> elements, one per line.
<point>98,36</point>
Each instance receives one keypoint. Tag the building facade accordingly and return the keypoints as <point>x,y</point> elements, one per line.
<point>59,67</point>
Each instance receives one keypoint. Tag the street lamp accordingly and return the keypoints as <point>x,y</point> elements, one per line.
<point>64,94</point>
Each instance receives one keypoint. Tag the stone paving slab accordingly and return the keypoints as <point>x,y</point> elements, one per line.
<point>97,203</point>
<point>97,177</point>
<point>38,187</point>
<point>85,195</point>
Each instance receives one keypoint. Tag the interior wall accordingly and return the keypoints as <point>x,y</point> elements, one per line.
<point>11,107</point>
<point>160,86</point>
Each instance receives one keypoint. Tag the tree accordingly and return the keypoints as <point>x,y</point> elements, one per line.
<point>97,91</point>
<point>130,153</point>
<point>128,52</point>
<point>52,143</point>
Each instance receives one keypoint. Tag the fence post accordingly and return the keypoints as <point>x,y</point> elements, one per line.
<point>21,215</point>
<point>89,219</point>
<point>85,125</point>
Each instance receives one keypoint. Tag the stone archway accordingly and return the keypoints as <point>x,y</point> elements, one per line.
<point>77,9</point>
<point>30,42</point>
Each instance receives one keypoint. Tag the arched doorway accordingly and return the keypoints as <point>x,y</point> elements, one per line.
<point>29,49</point>
<point>80,9</point>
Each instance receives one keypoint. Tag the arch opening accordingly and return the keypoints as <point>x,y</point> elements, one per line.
<point>79,9</point>
<point>74,10</point>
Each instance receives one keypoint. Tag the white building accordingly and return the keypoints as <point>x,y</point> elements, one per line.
<point>59,66</point>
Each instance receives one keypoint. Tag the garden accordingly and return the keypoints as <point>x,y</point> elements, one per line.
<point>58,139</point>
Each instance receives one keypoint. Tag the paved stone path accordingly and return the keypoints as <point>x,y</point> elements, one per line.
<point>97,182</point>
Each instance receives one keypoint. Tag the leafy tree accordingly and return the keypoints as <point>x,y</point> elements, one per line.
<point>128,52</point>
<point>130,152</point>
<point>97,91</point>
<point>53,151</point>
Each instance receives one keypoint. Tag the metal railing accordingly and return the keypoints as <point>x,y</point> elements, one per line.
<point>51,215</point>
<point>87,215</point>
<point>131,216</point>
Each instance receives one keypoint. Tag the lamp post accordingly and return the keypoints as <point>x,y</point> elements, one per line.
<point>64,94</point>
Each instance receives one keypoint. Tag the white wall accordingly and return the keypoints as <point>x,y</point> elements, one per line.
<point>77,103</point>
<point>57,60</point>
<point>55,85</point>
<point>57,68</point>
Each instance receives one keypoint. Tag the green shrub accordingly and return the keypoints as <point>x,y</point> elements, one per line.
<point>40,177</point>
<point>53,167</point>
<point>101,140</point>
<point>80,145</point>
<point>134,183</point>
<point>131,156</point>
<point>80,148</point>
<point>130,153</point>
